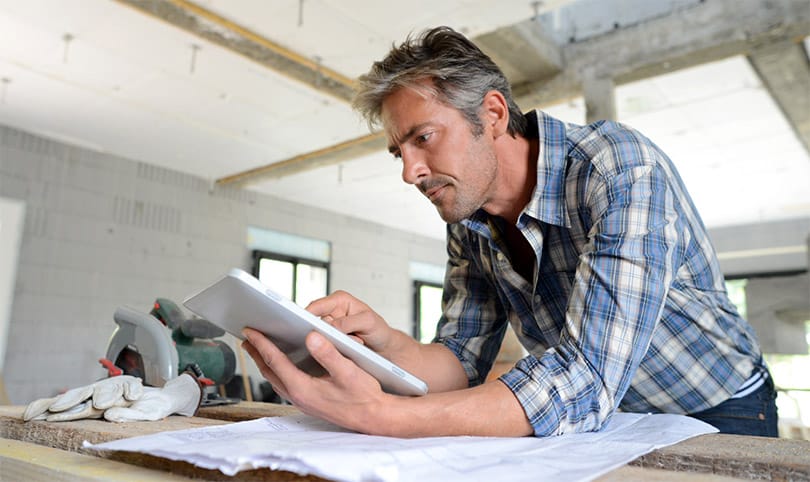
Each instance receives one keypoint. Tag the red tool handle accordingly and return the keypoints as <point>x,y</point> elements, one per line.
<point>112,370</point>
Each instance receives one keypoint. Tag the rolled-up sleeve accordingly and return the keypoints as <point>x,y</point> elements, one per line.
<point>473,321</point>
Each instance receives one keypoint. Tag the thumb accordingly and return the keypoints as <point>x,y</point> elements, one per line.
<point>325,353</point>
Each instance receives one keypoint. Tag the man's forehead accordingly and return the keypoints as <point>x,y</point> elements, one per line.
<point>394,122</point>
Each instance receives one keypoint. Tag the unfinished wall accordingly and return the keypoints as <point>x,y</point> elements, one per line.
<point>102,231</point>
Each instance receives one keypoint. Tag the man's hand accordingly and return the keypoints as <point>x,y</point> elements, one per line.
<point>346,395</point>
<point>356,319</point>
<point>350,397</point>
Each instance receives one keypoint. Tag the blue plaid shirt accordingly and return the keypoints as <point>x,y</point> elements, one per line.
<point>627,307</point>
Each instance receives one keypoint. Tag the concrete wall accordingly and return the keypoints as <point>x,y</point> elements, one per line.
<point>102,231</point>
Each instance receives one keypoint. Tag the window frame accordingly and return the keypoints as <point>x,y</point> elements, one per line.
<point>417,305</point>
<point>258,254</point>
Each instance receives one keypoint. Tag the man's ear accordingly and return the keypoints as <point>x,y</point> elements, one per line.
<point>495,112</point>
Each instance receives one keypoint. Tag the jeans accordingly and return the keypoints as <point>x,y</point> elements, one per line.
<point>754,414</point>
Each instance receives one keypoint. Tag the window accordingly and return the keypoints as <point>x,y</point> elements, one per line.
<point>294,266</point>
<point>427,310</point>
<point>301,280</point>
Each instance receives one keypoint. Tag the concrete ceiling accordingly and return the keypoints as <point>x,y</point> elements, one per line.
<point>255,93</point>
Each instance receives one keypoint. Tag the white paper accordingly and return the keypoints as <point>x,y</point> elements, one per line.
<point>306,445</point>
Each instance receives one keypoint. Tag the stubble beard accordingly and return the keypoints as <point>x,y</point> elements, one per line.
<point>460,201</point>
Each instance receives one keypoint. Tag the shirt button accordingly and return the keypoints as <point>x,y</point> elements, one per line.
<point>501,257</point>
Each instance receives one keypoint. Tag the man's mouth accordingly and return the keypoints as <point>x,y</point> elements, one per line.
<point>434,193</point>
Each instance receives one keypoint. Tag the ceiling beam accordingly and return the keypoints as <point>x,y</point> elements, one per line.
<point>784,69</point>
<point>705,32</point>
<point>218,30</point>
<point>522,51</point>
<point>344,151</point>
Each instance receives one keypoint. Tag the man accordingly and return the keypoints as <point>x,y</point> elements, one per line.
<point>583,239</point>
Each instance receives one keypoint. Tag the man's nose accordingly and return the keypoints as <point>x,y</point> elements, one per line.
<point>414,167</point>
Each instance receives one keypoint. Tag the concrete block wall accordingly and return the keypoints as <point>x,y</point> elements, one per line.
<point>102,231</point>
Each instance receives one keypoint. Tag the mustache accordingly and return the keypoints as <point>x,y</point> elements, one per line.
<point>426,185</point>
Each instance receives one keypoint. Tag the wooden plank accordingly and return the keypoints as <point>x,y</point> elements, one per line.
<point>35,463</point>
<point>627,474</point>
<point>70,435</point>
<point>735,456</point>
<point>247,411</point>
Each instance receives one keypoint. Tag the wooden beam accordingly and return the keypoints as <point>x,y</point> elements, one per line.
<point>35,463</point>
<point>344,151</point>
<point>210,26</point>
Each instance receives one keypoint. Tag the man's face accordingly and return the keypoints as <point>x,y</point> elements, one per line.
<point>439,153</point>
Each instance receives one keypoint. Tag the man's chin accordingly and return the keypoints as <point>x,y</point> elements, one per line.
<point>451,217</point>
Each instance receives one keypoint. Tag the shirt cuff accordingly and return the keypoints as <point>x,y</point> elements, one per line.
<point>534,397</point>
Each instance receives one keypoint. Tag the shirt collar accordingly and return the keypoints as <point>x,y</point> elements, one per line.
<point>548,199</point>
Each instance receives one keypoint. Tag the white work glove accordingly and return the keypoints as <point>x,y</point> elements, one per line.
<point>181,395</point>
<point>89,401</point>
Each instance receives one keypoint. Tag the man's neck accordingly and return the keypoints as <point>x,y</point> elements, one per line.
<point>517,176</point>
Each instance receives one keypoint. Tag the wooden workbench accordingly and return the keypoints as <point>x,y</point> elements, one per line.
<point>53,451</point>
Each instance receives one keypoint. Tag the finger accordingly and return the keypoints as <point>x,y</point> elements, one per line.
<point>37,408</point>
<point>324,352</point>
<point>338,304</point>
<point>266,372</point>
<point>357,323</point>
<point>78,412</point>
<point>133,389</point>
<point>71,398</point>
<point>343,327</point>
<point>105,396</point>
<point>41,416</point>
<point>123,414</point>
<point>268,359</point>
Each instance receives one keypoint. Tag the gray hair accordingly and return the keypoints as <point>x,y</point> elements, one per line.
<point>459,72</point>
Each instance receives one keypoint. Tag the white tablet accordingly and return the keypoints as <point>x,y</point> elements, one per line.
<point>239,300</point>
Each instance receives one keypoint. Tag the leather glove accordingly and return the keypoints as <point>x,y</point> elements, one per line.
<point>181,395</point>
<point>89,401</point>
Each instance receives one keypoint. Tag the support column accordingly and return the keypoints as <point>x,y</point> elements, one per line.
<point>600,99</point>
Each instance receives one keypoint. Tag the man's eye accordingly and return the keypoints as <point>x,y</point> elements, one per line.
<point>421,139</point>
